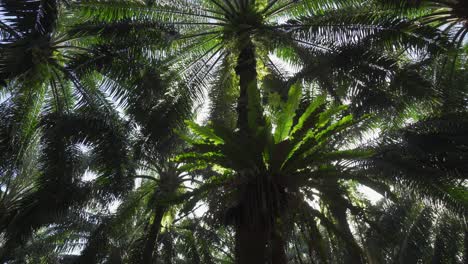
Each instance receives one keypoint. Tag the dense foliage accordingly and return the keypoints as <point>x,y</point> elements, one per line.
<point>233,131</point>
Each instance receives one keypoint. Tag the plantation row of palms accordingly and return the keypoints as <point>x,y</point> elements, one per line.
<point>304,104</point>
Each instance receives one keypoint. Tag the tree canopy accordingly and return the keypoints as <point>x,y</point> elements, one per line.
<point>233,131</point>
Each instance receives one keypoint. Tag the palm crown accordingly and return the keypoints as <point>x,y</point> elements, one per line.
<point>222,44</point>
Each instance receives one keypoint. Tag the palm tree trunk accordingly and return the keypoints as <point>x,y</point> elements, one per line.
<point>246,69</point>
<point>352,251</point>
<point>465,245</point>
<point>250,244</point>
<point>316,243</point>
<point>278,254</point>
<point>251,239</point>
<point>150,244</point>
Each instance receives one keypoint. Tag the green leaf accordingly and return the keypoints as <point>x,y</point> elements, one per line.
<point>319,101</point>
<point>343,123</point>
<point>286,117</point>
<point>205,132</point>
<point>325,117</point>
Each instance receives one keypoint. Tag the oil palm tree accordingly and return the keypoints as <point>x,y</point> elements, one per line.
<point>152,58</point>
<point>203,243</point>
<point>222,44</point>
<point>410,232</point>
<point>266,173</point>
<point>42,89</point>
<point>149,209</point>
<point>404,230</point>
<point>57,104</point>
<point>446,14</point>
<point>58,185</point>
<point>436,169</point>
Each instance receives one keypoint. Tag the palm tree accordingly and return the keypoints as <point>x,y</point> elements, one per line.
<point>222,44</point>
<point>449,15</point>
<point>270,172</point>
<point>148,208</point>
<point>408,232</point>
<point>430,153</point>
<point>203,243</point>
<point>401,231</point>
<point>59,185</point>
<point>66,67</point>
<point>269,169</point>
<point>57,106</point>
